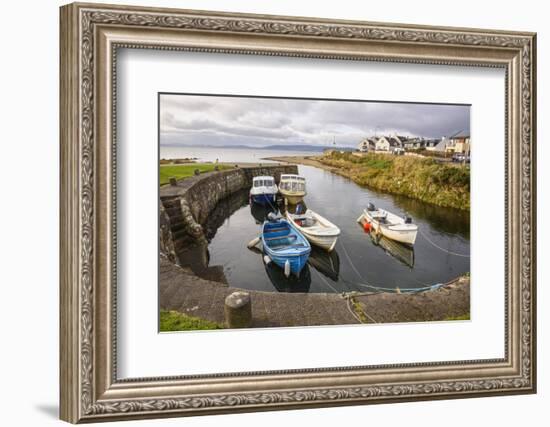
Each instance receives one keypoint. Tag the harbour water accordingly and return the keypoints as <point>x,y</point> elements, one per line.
<point>359,261</point>
<point>227,155</point>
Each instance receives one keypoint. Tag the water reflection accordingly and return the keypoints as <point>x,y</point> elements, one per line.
<point>326,263</point>
<point>400,252</point>
<point>445,220</point>
<point>281,283</point>
<point>260,212</point>
<point>277,276</point>
<point>197,258</point>
<point>223,210</point>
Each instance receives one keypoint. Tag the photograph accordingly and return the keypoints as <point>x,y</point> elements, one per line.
<point>284,212</point>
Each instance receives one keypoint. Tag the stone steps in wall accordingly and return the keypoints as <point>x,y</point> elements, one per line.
<point>175,227</point>
<point>173,212</point>
<point>179,234</point>
<point>170,201</point>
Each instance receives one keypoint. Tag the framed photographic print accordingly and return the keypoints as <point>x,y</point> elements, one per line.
<point>266,212</point>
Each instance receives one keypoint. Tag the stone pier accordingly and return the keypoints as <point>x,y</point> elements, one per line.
<point>185,207</point>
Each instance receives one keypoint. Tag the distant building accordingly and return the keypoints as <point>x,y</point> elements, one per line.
<point>366,145</point>
<point>436,144</point>
<point>414,143</point>
<point>458,143</point>
<point>461,144</point>
<point>384,144</point>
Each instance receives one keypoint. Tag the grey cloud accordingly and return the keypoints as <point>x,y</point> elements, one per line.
<point>214,120</point>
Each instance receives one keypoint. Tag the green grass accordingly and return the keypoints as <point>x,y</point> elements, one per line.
<point>463,317</point>
<point>176,321</point>
<point>424,179</point>
<point>185,171</point>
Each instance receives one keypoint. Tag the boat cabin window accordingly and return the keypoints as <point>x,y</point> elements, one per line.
<point>263,183</point>
<point>297,186</point>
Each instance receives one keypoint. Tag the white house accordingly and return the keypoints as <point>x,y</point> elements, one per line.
<point>461,144</point>
<point>366,145</point>
<point>383,144</point>
<point>437,144</point>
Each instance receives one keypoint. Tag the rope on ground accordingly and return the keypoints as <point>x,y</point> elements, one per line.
<point>348,298</point>
<point>352,312</point>
<point>402,290</point>
<point>439,247</point>
<point>380,289</point>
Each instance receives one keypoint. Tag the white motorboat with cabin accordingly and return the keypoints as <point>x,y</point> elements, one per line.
<point>293,188</point>
<point>317,229</point>
<point>264,190</point>
<point>389,225</point>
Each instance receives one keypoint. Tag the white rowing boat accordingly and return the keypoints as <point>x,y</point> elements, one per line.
<point>317,229</point>
<point>390,225</point>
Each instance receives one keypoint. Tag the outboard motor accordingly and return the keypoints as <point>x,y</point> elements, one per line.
<point>371,207</point>
<point>408,220</point>
<point>271,217</point>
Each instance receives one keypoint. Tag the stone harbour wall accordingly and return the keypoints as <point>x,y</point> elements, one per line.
<point>186,206</point>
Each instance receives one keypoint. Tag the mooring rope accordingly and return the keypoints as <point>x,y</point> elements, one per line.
<point>350,261</point>
<point>352,312</point>
<point>325,281</point>
<point>402,290</point>
<point>439,247</point>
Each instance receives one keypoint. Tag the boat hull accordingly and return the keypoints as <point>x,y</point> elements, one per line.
<point>297,262</point>
<point>326,243</point>
<point>283,243</point>
<point>324,237</point>
<point>263,199</point>
<point>293,198</point>
<point>399,232</point>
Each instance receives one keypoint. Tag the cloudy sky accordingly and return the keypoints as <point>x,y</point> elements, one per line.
<point>216,120</point>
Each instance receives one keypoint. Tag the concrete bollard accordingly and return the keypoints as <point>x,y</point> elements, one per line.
<point>173,182</point>
<point>238,310</point>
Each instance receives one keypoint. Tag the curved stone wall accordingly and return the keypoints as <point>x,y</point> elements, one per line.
<point>185,207</point>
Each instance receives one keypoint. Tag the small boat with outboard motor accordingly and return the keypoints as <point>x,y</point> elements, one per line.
<point>390,225</point>
<point>316,228</point>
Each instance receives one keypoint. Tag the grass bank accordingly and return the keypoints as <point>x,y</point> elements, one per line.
<point>185,171</point>
<point>176,321</point>
<point>424,179</point>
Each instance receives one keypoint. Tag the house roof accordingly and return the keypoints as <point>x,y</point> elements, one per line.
<point>461,136</point>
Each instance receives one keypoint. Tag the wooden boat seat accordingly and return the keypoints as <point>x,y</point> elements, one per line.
<point>296,245</point>
<point>286,236</point>
<point>275,230</point>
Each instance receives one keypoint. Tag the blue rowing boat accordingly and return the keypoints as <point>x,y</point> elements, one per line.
<point>285,245</point>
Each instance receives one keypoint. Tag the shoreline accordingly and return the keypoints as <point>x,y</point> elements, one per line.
<point>351,174</point>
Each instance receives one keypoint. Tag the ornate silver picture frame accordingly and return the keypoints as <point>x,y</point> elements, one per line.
<point>90,36</point>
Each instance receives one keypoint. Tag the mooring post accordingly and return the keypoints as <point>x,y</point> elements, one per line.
<point>238,310</point>
<point>173,182</point>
